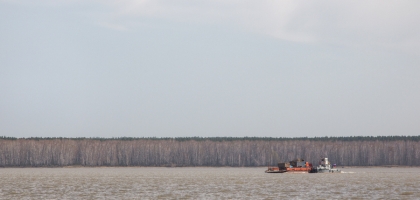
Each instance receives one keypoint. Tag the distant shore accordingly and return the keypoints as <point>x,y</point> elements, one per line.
<point>211,152</point>
<point>80,166</point>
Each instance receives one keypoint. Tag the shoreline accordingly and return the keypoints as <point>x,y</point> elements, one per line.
<point>81,166</point>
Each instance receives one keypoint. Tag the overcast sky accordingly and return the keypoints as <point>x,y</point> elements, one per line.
<point>90,68</point>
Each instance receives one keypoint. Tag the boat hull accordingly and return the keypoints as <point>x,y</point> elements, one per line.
<point>327,171</point>
<point>282,171</point>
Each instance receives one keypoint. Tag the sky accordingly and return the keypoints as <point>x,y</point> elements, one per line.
<point>210,68</point>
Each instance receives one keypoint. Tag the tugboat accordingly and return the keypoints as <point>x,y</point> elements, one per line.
<point>324,167</point>
<point>300,166</point>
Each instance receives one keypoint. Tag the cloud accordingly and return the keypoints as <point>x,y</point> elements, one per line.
<point>265,17</point>
<point>117,27</point>
<point>382,24</point>
<point>357,23</point>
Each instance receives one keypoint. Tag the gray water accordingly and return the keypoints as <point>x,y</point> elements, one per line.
<point>206,183</point>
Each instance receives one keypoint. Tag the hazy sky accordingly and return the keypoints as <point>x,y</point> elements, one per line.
<point>90,68</point>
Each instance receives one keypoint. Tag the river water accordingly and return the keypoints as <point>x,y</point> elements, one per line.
<point>205,183</point>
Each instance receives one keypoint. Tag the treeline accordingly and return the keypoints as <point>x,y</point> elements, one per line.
<point>197,151</point>
<point>326,138</point>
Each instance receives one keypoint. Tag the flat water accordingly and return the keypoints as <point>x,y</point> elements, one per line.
<point>206,183</point>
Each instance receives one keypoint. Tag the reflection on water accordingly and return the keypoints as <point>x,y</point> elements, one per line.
<point>206,183</point>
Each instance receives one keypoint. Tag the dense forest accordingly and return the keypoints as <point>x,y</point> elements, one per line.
<point>214,151</point>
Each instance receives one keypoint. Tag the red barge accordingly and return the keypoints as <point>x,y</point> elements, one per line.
<point>294,166</point>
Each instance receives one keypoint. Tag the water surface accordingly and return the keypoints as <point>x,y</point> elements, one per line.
<point>205,183</point>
